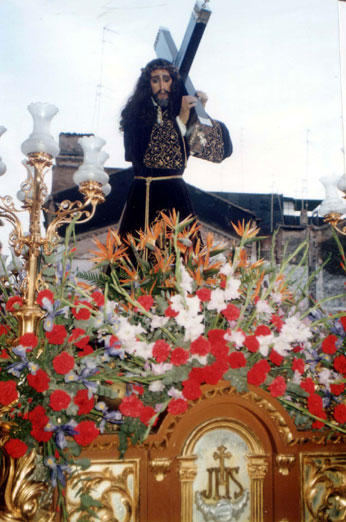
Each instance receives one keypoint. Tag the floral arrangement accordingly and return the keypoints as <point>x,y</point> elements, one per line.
<point>165,315</point>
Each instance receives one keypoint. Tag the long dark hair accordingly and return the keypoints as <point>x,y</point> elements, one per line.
<point>140,107</point>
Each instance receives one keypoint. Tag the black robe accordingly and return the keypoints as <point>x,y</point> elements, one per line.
<point>159,156</point>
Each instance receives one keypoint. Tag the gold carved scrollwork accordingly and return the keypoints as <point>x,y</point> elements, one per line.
<point>160,468</point>
<point>285,463</point>
<point>324,487</point>
<point>108,487</point>
<point>20,496</point>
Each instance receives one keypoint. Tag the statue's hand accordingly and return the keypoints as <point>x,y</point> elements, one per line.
<point>187,103</point>
<point>202,96</point>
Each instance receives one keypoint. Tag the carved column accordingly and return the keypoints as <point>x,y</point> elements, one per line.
<point>187,473</point>
<point>257,468</point>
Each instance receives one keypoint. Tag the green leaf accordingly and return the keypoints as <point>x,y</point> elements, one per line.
<point>237,380</point>
<point>83,463</point>
<point>87,501</point>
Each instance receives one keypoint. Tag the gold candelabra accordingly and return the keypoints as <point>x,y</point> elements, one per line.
<point>40,149</point>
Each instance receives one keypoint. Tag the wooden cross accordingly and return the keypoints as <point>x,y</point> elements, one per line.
<point>182,59</point>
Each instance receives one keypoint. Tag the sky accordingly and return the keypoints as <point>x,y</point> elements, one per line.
<point>271,70</point>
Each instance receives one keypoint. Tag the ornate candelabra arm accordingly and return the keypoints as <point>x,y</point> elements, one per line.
<point>76,210</point>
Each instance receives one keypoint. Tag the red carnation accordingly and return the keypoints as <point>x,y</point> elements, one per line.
<point>275,358</point>
<point>4,355</point>
<point>200,346</point>
<point>231,312</point>
<point>41,435</point>
<point>340,363</point>
<point>4,329</point>
<point>258,373</point>
<point>236,360</point>
<point>45,294</point>
<point>179,356</point>
<point>318,424</point>
<point>14,303</point>
<point>219,350</point>
<point>308,385</point>
<point>328,344</point>
<point>16,448</point>
<point>85,405</point>
<point>8,392</point>
<point>77,336</point>
<point>131,406</point>
<point>298,365</point>
<point>146,301</point>
<point>177,406</point>
<point>217,336</point>
<point>59,400</point>
<point>251,343</point>
<point>337,389</point>
<point>262,329</point>
<point>214,372</point>
<point>40,381</point>
<point>147,412</point>
<point>315,404</point>
<point>169,312</point>
<point>278,386</point>
<point>204,294</point>
<point>28,340</point>
<point>161,350</point>
<point>57,335</point>
<point>86,349</point>
<point>98,298</point>
<point>38,417</point>
<point>197,375</point>
<point>63,363</point>
<point>277,322</point>
<point>191,389</point>
<point>87,432</point>
<point>340,413</point>
<point>343,321</point>
<point>81,310</point>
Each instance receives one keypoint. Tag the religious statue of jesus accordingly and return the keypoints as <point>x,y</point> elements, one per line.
<point>156,122</point>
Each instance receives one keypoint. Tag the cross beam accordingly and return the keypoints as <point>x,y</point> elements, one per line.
<point>182,59</point>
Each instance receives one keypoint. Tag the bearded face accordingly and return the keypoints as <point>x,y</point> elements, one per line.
<point>161,83</point>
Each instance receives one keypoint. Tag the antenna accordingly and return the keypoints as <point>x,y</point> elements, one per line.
<point>100,86</point>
